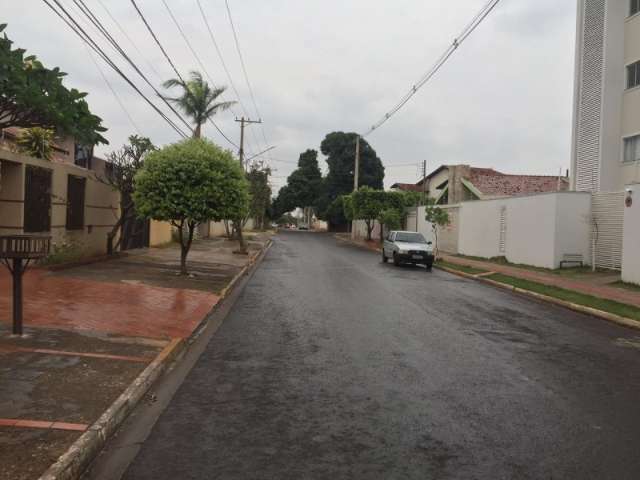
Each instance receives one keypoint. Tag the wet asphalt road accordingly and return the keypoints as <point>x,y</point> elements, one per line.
<point>335,366</point>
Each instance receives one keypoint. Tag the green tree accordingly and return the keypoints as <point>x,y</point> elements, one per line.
<point>188,183</point>
<point>122,168</point>
<point>34,96</point>
<point>390,218</point>
<point>367,204</point>
<point>36,142</point>
<point>340,148</point>
<point>260,194</point>
<point>197,99</point>
<point>439,218</point>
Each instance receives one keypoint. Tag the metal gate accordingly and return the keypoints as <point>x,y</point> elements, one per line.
<point>135,230</point>
<point>607,217</point>
<point>37,200</point>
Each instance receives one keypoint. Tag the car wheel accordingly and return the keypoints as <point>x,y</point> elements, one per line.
<point>384,257</point>
<point>396,260</point>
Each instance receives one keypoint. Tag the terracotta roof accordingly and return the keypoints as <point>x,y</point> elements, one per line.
<point>496,184</point>
<point>407,187</point>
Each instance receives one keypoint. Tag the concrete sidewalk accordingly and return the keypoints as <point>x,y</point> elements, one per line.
<point>583,285</point>
<point>90,331</point>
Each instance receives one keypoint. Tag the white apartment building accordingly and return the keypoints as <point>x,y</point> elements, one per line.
<point>606,131</point>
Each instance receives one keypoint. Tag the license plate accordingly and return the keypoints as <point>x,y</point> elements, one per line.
<point>417,257</point>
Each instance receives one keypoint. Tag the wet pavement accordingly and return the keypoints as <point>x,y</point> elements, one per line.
<point>334,365</point>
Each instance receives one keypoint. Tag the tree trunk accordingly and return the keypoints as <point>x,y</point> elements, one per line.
<point>243,244</point>
<point>370,225</point>
<point>185,244</point>
<point>197,132</point>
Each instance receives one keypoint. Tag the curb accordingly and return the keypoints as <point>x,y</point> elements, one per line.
<point>81,453</point>
<point>610,317</point>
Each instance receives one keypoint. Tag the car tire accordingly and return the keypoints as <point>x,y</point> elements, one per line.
<point>384,257</point>
<point>396,260</point>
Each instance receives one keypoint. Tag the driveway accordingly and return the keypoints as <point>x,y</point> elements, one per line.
<point>334,365</point>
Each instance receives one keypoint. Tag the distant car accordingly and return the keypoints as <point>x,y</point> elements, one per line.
<point>303,226</point>
<point>407,247</point>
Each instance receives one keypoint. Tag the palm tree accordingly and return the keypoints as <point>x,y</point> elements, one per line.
<point>198,99</point>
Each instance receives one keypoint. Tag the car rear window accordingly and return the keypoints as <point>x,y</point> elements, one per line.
<point>410,237</point>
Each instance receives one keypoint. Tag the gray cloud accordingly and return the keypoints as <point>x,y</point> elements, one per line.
<point>503,101</point>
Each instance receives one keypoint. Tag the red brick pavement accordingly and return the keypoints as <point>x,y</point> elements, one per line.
<point>126,309</point>
<point>603,291</point>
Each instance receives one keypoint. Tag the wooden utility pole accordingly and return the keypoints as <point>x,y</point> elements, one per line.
<point>356,174</point>
<point>238,222</point>
<point>424,191</point>
<point>244,121</point>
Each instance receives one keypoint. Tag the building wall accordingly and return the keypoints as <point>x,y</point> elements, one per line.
<point>534,230</point>
<point>160,233</point>
<point>604,111</point>
<point>101,203</point>
<point>631,236</point>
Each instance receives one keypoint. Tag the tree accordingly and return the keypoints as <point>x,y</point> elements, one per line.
<point>122,167</point>
<point>34,96</point>
<point>367,204</point>
<point>197,99</point>
<point>36,142</point>
<point>260,193</point>
<point>438,218</point>
<point>390,218</point>
<point>340,149</point>
<point>188,183</point>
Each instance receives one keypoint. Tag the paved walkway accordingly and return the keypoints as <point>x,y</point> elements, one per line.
<point>583,286</point>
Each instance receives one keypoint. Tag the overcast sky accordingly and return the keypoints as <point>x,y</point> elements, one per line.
<point>503,100</point>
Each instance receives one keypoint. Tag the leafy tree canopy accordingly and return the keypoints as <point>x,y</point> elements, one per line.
<point>260,193</point>
<point>34,96</point>
<point>340,150</point>
<point>188,183</point>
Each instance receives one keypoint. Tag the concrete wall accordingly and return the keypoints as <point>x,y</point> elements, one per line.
<point>538,229</point>
<point>160,233</point>
<point>631,239</point>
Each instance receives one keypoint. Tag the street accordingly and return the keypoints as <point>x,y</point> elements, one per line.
<point>333,365</point>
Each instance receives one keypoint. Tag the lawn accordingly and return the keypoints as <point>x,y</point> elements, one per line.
<point>460,268</point>
<point>610,306</point>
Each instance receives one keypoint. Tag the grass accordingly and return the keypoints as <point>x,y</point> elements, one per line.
<point>610,306</point>
<point>625,285</point>
<point>562,272</point>
<point>460,268</point>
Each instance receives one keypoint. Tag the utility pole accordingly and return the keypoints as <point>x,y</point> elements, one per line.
<point>238,222</point>
<point>243,122</point>
<point>356,175</point>
<point>424,191</point>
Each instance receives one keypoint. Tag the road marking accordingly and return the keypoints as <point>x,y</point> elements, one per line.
<point>45,351</point>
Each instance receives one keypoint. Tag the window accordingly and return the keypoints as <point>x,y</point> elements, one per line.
<point>635,7</point>
<point>633,74</point>
<point>75,202</point>
<point>410,237</point>
<point>632,149</point>
<point>83,155</point>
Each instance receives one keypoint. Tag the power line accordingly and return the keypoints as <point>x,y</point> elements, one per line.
<point>469,29</point>
<point>133,44</point>
<point>244,68</point>
<point>96,22</point>
<point>224,66</point>
<point>186,40</point>
<point>80,32</point>
<point>117,97</point>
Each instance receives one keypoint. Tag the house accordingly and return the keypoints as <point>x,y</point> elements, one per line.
<point>453,184</point>
<point>65,197</point>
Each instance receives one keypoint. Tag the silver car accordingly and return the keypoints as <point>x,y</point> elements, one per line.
<point>407,247</point>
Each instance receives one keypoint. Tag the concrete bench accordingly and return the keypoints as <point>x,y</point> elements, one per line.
<point>572,258</point>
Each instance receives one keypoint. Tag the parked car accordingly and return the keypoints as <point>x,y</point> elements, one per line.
<point>407,247</point>
<point>303,226</point>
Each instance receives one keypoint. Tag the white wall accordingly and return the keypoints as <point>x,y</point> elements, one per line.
<point>540,229</point>
<point>631,239</point>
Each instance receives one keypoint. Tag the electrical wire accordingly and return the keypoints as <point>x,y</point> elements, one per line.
<point>96,22</point>
<point>468,30</point>
<point>244,69</point>
<point>195,55</point>
<point>82,34</point>
<point>224,67</point>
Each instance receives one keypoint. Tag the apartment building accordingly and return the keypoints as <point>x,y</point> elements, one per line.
<point>606,132</point>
